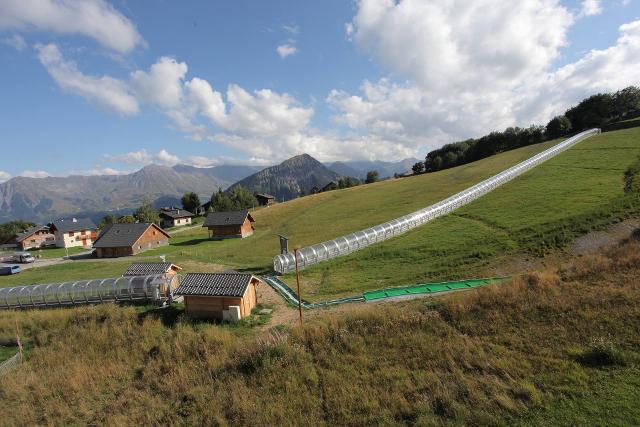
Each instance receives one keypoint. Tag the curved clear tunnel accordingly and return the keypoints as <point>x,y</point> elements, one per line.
<point>151,288</point>
<point>343,245</point>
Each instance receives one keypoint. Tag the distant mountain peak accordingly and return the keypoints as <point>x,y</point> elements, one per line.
<point>290,178</point>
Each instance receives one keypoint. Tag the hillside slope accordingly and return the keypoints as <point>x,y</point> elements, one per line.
<point>290,178</point>
<point>539,211</point>
<point>550,348</point>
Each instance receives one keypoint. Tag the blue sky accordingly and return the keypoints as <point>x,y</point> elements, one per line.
<point>107,87</point>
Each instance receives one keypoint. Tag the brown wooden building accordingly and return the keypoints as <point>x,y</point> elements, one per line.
<point>226,225</point>
<point>265,199</point>
<point>220,296</point>
<point>118,240</point>
<point>39,236</point>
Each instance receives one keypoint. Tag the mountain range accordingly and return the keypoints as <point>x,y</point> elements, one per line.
<point>46,199</point>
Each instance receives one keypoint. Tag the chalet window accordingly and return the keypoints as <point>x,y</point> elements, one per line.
<point>33,240</point>
<point>71,234</point>
<point>154,232</point>
<point>84,233</point>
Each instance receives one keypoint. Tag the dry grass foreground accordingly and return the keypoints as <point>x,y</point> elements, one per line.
<point>493,356</point>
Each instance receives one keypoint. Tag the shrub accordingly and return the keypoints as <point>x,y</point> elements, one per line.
<point>601,352</point>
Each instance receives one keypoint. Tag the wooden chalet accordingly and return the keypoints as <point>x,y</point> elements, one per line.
<point>39,236</point>
<point>175,217</point>
<point>220,296</point>
<point>118,240</point>
<point>265,199</point>
<point>227,225</point>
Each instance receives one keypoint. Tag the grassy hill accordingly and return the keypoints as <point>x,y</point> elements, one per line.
<point>540,211</point>
<point>551,348</point>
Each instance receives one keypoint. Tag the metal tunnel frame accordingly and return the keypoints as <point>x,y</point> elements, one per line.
<point>343,245</point>
<point>139,288</point>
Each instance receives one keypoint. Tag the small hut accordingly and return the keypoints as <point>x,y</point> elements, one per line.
<point>220,296</point>
<point>227,225</point>
<point>265,199</point>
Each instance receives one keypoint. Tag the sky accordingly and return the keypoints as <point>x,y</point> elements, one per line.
<point>99,87</point>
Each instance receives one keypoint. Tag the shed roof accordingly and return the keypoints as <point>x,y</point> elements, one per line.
<point>29,232</point>
<point>227,218</point>
<point>148,268</point>
<point>74,224</point>
<point>123,235</point>
<point>265,196</point>
<point>214,284</point>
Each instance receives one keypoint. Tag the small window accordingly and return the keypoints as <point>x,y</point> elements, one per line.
<point>84,233</point>
<point>71,234</point>
<point>154,232</point>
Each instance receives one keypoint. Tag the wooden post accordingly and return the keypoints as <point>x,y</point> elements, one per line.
<point>295,251</point>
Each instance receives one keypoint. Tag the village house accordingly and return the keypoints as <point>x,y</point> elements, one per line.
<point>118,240</point>
<point>39,236</point>
<point>175,217</point>
<point>226,225</point>
<point>265,199</point>
<point>220,296</point>
<point>74,232</point>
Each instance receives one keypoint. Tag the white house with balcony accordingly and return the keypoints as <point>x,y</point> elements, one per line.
<point>74,232</point>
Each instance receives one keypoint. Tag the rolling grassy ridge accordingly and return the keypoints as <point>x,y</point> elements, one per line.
<point>546,348</point>
<point>541,211</point>
<point>580,190</point>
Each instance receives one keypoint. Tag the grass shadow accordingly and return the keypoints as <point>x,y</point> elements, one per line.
<point>168,315</point>
<point>191,242</point>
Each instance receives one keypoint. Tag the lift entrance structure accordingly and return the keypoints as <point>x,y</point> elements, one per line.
<point>314,254</point>
<point>142,288</point>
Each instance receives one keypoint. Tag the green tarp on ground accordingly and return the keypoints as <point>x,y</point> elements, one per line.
<point>427,288</point>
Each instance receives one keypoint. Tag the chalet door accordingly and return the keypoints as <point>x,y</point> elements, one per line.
<point>84,242</point>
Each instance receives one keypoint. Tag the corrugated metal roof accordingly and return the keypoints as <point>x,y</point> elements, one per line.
<point>226,218</point>
<point>148,268</point>
<point>123,235</point>
<point>74,224</point>
<point>214,284</point>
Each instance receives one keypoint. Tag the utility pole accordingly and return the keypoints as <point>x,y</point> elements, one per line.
<point>295,251</point>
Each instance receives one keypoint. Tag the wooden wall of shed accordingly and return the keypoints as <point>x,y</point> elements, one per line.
<point>228,231</point>
<point>206,307</point>
<point>151,238</point>
<point>113,252</point>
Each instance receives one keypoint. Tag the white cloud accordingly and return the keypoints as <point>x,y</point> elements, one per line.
<point>591,8</point>
<point>162,84</point>
<point>4,176</point>
<point>93,18</point>
<point>286,49</point>
<point>16,41</point>
<point>35,174</point>
<point>105,91</point>
<point>166,158</point>
<point>142,157</point>
<point>474,67</point>
<point>139,157</point>
<point>291,29</point>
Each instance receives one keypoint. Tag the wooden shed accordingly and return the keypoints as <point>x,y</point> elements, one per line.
<point>265,199</point>
<point>218,295</point>
<point>227,225</point>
